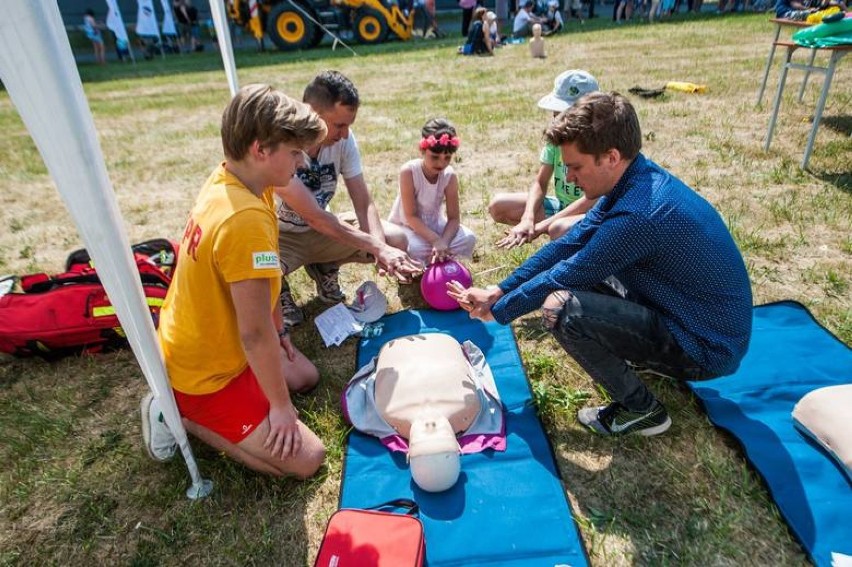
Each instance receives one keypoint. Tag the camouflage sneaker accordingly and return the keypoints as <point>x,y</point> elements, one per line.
<point>291,313</point>
<point>326,278</point>
<point>615,419</point>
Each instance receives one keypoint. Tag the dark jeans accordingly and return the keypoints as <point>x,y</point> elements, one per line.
<point>602,332</point>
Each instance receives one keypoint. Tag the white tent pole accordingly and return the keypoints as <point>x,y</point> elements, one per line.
<point>223,38</point>
<point>38,70</point>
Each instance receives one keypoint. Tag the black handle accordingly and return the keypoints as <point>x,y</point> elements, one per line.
<point>410,505</point>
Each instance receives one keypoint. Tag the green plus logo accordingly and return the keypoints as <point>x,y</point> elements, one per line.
<point>264,260</point>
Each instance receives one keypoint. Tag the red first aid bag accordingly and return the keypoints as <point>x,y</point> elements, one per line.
<point>373,537</point>
<point>67,313</point>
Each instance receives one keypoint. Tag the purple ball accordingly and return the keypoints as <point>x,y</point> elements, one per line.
<point>433,284</point>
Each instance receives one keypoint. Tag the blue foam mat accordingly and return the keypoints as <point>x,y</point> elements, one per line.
<point>790,355</point>
<point>508,508</point>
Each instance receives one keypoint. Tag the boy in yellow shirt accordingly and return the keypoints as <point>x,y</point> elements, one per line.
<point>230,364</point>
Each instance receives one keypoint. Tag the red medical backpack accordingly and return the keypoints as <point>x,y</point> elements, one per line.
<point>67,313</point>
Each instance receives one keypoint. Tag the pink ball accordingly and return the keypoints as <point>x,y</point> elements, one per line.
<point>433,285</point>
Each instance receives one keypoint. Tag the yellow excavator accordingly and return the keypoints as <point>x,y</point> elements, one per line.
<point>301,24</point>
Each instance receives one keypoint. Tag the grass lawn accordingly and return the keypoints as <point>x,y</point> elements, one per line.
<point>75,484</point>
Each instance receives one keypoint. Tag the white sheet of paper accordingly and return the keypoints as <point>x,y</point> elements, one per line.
<point>336,324</point>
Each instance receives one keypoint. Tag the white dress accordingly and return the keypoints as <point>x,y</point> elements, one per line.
<point>429,199</point>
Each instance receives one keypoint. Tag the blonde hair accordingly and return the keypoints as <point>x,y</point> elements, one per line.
<point>260,112</point>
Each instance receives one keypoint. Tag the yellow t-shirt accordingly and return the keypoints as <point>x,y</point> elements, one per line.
<point>231,236</point>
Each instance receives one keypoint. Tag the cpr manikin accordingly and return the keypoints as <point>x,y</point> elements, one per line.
<point>418,394</point>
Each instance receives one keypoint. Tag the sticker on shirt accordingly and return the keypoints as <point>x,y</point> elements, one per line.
<point>264,260</point>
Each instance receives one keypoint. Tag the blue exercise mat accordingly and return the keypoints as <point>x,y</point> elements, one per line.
<point>790,355</point>
<point>507,508</point>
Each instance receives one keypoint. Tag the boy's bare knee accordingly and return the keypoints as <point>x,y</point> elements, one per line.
<point>309,463</point>
<point>496,209</point>
<point>306,380</point>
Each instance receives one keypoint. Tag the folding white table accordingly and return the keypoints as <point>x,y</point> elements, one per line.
<point>780,23</point>
<point>835,53</point>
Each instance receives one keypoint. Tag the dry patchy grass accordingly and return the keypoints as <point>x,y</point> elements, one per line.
<point>75,485</point>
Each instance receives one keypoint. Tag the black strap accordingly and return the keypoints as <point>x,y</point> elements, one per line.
<point>411,507</point>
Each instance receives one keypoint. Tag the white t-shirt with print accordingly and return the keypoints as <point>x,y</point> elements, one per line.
<point>320,177</point>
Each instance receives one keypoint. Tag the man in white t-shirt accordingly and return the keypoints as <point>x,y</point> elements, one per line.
<point>524,20</point>
<point>312,236</point>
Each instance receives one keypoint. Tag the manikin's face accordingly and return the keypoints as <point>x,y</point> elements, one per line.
<point>338,119</point>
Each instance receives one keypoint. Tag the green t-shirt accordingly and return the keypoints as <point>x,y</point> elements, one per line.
<point>567,193</point>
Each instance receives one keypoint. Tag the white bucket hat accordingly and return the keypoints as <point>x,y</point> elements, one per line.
<point>567,88</point>
<point>370,303</point>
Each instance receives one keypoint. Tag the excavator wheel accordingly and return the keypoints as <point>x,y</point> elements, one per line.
<point>289,29</point>
<point>370,26</point>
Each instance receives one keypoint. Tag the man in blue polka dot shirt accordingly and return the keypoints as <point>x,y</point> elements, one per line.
<point>650,278</point>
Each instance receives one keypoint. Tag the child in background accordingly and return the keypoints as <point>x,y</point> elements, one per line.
<point>553,18</point>
<point>493,29</point>
<point>534,213</point>
<point>426,186</point>
<point>92,29</point>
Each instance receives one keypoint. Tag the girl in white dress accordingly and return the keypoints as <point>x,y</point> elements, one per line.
<point>425,186</point>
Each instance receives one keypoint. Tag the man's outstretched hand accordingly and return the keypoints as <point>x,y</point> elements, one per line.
<point>394,262</point>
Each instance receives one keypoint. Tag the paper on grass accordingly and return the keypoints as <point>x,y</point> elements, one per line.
<point>336,324</point>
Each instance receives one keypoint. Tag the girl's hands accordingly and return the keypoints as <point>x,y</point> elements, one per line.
<point>440,251</point>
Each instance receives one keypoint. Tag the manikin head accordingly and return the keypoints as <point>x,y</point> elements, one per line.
<point>433,453</point>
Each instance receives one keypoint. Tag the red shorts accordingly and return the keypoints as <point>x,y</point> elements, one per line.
<point>233,412</point>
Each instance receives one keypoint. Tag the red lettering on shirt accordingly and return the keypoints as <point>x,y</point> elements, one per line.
<point>192,234</point>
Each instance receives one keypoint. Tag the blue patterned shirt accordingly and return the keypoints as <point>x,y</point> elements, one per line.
<point>669,248</point>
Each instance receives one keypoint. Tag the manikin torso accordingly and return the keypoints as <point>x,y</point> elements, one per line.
<point>422,378</point>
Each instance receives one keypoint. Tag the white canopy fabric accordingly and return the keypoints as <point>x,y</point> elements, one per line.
<point>146,19</point>
<point>223,38</point>
<point>38,70</point>
<point>115,23</point>
<point>168,18</point>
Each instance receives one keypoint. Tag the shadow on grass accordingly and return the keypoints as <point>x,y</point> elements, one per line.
<point>840,124</point>
<point>842,180</point>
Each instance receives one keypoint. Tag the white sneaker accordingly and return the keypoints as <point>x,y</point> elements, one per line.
<point>160,444</point>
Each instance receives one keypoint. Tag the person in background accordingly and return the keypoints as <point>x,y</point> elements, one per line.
<point>793,10</point>
<point>427,207</point>
<point>524,20</point>
<point>553,22</point>
<point>479,39</point>
<point>493,29</point>
<point>92,29</point>
<point>535,213</point>
<point>650,279</point>
<point>187,19</point>
<point>229,358</point>
<point>467,7</point>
